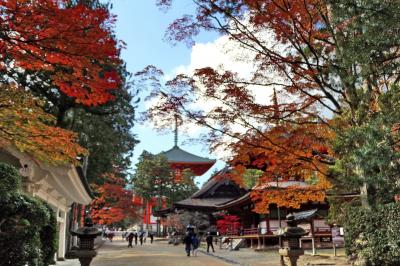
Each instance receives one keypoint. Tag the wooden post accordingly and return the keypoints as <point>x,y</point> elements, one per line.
<point>312,236</point>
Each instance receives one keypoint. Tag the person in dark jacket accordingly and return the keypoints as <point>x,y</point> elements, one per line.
<point>151,238</point>
<point>130,239</point>
<point>136,236</point>
<point>141,238</point>
<point>209,240</point>
<point>195,244</point>
<point>188,243</point>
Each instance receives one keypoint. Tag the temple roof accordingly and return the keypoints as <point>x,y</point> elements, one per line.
<point>246,198</point>
<point>196,203</point>
<point>177,155</point>
<point>304,216</point>
<point>243,200</point>
<point>62,184</point>
<point>216,191</point>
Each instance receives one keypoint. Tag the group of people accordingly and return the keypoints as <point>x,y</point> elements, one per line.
<point>134,235</point>
<point>192,243</point>
<point>108,234</point>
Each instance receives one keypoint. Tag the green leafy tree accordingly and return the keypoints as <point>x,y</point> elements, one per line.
<point>368,155</point>
<point>251,177</point>
<point>182,189</point>
<point>106,131</point>
<point>155,178</point>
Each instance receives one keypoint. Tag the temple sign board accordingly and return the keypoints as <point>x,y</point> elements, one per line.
<point>337,239</point>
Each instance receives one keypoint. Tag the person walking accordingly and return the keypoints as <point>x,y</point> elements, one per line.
<point>151,237</point>
<point>130,239</point>
<point>209,240</point>
<point>188,243</point>
<point>195,244</point>
<point>110,236</point>
<point>136,238</point>
<point>141,238</point>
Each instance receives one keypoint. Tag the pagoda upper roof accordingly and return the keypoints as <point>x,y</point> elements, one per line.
<point>177,155</point>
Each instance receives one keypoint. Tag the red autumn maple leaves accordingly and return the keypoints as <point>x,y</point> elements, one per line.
<point>73,45</point>
<point>114,202</point>
<point>228,223</point>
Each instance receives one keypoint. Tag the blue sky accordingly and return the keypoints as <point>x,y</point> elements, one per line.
<point>141,25</point>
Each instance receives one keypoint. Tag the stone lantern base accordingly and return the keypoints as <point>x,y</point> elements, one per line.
<point>292,254</point>
<point>85,256</point>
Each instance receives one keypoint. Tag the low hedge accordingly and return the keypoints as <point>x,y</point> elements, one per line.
<point>27,225</point>
<point>373,235</point>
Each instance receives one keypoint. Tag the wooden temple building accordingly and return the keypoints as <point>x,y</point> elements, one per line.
<point>218,190</point>
<point>260,230</point>
<point>220,195</point>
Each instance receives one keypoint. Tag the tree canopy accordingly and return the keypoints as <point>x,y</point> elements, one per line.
<point>154,178</point>
<point>56,45</point>
<point>113,202</point>
<point>24,124</point>
<point>329,64</point>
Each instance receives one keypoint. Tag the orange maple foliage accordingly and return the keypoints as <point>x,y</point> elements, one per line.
<point>290,48</point>
<point>73,45</point>
<point>25,125</point>
<point>291,197</point>
<point>304,48</point>
<point>284,140</point>
<point>293,157</point>
<point>114,203</point>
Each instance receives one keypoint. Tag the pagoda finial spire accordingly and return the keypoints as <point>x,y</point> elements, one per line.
<point>176,131</point>
<point>276,105</point>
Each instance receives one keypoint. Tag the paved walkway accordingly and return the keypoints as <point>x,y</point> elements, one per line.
<point>158,253</point>
<point>249,257</point>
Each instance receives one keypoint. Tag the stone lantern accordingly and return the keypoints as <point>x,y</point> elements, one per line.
<point>291,240</point>
<point>86,236</point>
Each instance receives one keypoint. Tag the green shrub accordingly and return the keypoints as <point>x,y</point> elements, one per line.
<point>48,237</point>
<point>10,180</point>
<point>373,235</point>
<point>27,225</point>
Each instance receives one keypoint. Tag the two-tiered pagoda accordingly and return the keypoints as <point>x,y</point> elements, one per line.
<point>179,160</point>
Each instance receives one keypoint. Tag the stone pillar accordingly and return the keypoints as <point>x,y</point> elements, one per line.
<point>61,218</point>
